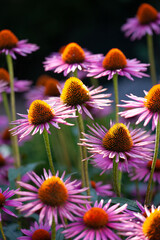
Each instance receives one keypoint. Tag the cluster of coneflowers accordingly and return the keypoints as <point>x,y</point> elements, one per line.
<point>59,201</point>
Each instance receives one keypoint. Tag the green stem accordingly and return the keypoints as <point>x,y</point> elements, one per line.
<point>6,105</point>
<point>64,147</point>
<point>151,58</point>
<point>147,199</point>
<point>2,232</point>
<point>48,150</point>
<point>115,84</point>
<point>13,109</point>
<point>75,74</point>
<point>116,178</point>
<point>53,228</point>
<point>83,155</point>
<point>94,82</point>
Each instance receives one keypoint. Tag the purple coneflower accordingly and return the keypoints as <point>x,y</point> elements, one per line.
<point>40,115</point>
<point>53,196</point>
<point>115,62</point>
<point>146,226</point>
<point>97,222</point>
<point>127,146</point>
<point>45,87</point>
<point>19,85</point>
<point>143,172</point>
<point>9,44</point>
<point>72,58</point>
<point>4,202</point>
<point>36,232</point>
<point>147,107</point>
<point>146,21</point>
<point>101,189</point>
<point>6,162</point>
<point>76,95</point>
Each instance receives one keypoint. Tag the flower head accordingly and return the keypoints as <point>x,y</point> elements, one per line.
<point>101,189</point>
<point>76,95</point>
<point>129,147</point>
<point>40,115</point>
<point>143,172</point>
<point>6,162</point>
<point>19,85</point>
<point>53,196</point>
<point>36,232</point>
<point>148,107</point>
<point>4,202</point>
<point>9,44</point>
<point>71,58</point>
<point>45,87</point>
<point>146,21</point>
<point>145,226</point>
<point>115,62</point>
<point>97,222</point>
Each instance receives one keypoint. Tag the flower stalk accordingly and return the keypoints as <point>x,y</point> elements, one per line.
<point>2,232</point>
<point>83,155</point>
<point>13,109</point>
<point>48,150</point>
<point>148,193</point>
<point>151,58</point>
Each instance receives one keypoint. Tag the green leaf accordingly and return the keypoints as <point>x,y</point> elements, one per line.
<point>13,172</point>
<point>132,205</point>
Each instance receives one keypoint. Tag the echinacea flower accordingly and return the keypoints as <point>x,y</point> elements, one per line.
<point>45,87</point>
<point>76,95</point>
<point>6,162</point>
<point>97,222</point>
<point>52,196</point>
<point>146,226</point>
<point>19,85</point>
<point>115,62</point>
<point>4,202</point>
<point>40,115</point>
<point>101,189</point>
<point>148,107</point>
<point>142,172</point>
<point>9,44</point>
<point>37,232</point>
<point>129,147</point>
<point>72,58</point>
<point>146,21</point>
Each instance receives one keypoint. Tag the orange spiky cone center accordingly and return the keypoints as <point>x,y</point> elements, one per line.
<point>2,160</point>
<point>2,200</point>
<point>118,138</point>
<point>146,13</point>
<point>151,226</point>
<point>95,218</point>
<point>157,166</point>
<point>7,39</point>
<point>153,99</point>
<point>4,75</point>
<point>73,53</point>
<point>74,92</point>
<point>114,60</point>
<point>53,192</point>
<point>41,234</point>
<point>40,112</point>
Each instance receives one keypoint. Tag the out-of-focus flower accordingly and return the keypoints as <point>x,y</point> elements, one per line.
<point>146,21</point>
<point>9,44</point>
